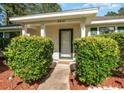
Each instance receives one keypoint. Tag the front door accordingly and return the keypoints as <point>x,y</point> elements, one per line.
<point>65,43</point>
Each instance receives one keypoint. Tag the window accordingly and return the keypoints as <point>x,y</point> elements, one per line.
<point>93,31</point>
<point>121,29</point>
<point>11,34</point>
<point>1,34</point>
<point>104,30</point>
<point>8,35</point>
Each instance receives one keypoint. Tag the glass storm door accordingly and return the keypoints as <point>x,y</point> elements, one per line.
<point>65,43</point>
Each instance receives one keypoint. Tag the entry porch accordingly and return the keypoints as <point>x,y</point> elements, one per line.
<point>62,34</point>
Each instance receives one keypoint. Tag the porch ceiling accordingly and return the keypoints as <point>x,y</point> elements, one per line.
<point>82,13</point>
<point>10,27</point>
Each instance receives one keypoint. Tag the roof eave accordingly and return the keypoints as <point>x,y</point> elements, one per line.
<point>53,16</point>
<point>108,21</point>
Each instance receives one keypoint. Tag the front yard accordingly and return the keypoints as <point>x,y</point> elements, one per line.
<point>16,83</point>
<point>27,64</point>
<point>112,82</point>
<point>99,63</point>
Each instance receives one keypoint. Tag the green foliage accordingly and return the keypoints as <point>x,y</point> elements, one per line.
<point>111,13</point>
<point>119,13</point>
<point>48,7</point>
<point>15,9</point>
<point>118,37</point>
<point>29,57</point>
<point>96,57</point>
<point>4,42</point>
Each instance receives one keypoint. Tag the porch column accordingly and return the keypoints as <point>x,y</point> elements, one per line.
<point>24,30</point>
<point>98,31</point>
<point>116,29</point>
<point>42,31</point>
<point>83,29</point>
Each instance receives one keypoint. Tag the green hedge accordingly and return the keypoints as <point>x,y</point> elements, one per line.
<point>119,37</point>
<point>95,58</point>
<point>29,57</point>
<point>4,42</point>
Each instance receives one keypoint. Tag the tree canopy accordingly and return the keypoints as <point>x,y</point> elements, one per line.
<point>119,13</point>
<point>20,9</point>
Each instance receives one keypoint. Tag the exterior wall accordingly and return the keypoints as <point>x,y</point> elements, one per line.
<point>32,31</point>
<point>52,31</point>
<point>102,25</point>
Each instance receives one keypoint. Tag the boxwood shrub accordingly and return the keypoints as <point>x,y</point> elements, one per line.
<point>119,37</point>
<point>95,58</point>
<point>29,57</point>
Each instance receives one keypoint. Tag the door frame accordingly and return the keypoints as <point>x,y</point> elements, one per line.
<point>70,30</point>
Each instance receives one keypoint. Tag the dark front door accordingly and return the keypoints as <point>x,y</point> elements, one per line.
<point>65,43</point>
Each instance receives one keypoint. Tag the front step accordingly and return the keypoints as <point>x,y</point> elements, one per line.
<point>65,61</point>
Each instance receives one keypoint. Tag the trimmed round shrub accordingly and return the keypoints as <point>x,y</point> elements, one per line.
<point>96,57</point>
<point>29,57</point>
<point>119,37</point>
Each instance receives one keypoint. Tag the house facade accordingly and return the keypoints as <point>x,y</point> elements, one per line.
<point>63,28</point>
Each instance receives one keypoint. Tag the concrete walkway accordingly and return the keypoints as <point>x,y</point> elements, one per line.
<point>59,79</point>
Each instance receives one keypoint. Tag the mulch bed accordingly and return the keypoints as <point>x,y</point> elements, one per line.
<point>16,83</point>
<point>116,81</point>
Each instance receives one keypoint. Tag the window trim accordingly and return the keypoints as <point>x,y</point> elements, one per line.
<point>93,30</point>
<point>8,32</point>
<point>107,29</point>
<point>119,27</point>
